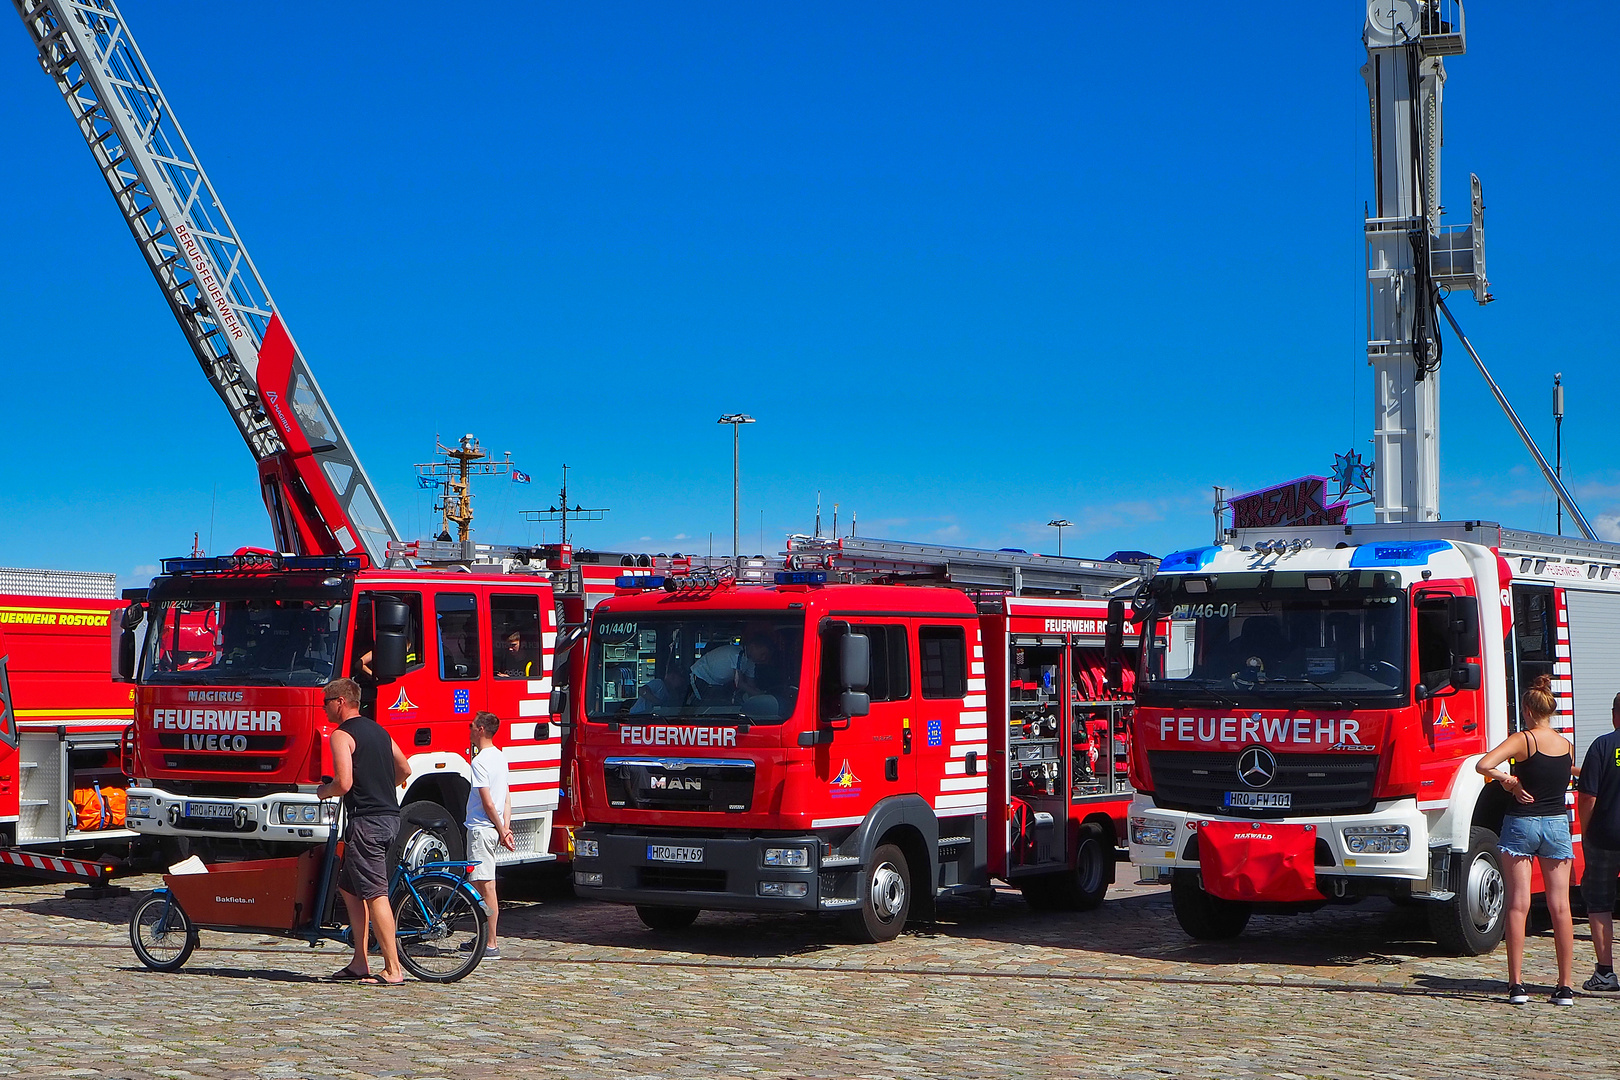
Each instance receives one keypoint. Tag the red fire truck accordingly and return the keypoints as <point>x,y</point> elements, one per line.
<point>840,743</point>
<point>61,719</point>
<point>1306,733</point>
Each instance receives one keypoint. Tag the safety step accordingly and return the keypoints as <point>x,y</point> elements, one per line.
<point>840,862</point>
<point>952,841</point>
<point>837,903</point>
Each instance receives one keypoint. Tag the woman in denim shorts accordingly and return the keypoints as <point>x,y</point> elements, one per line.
<point>1536,826</point>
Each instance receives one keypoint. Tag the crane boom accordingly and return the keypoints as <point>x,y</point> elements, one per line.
<point>318,495</point>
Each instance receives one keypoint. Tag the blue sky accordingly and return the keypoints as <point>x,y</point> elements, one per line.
<point>971,269</point>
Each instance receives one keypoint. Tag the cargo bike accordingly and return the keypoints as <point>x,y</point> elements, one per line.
<point>440,917</point>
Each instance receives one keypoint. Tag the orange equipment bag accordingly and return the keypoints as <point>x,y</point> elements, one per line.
<point>99,808</point>
<point>1258,860</point>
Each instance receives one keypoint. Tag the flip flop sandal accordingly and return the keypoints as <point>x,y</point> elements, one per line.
<point>345,975</point>
<point>373,980</point>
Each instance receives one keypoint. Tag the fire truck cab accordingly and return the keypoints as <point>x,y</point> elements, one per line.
<point>851,749</point>
<point>1307,731</point>
<point>229,655</point>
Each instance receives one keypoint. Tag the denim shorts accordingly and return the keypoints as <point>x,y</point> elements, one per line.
<point>1547,837</point>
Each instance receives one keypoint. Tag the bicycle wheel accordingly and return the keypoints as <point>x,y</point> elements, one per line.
<point>441,930</point>
<point>161,934</point>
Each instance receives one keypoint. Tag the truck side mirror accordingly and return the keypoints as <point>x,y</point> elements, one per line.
<point>1466,676</point>
<point>855,664</point>
<point>1463,615</point>
<point>854,702</point>
<point>558,704</point>
<point>392,641</point>
<point>1114,645</point>
<point>125,637</point>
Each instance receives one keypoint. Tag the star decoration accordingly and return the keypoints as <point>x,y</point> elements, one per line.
<point>1350,473</point>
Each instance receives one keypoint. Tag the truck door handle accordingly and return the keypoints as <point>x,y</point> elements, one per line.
<point>1469,727</point>
<point>972,767</point>
<point>891,768</point>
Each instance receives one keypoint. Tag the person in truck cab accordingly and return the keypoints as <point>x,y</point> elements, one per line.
<point>515,662</point>
<point>667,692</point>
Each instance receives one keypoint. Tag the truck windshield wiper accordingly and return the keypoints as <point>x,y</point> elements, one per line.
<point>1208,695</point>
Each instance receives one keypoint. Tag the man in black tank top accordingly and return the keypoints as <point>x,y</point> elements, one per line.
<point>367,767</point>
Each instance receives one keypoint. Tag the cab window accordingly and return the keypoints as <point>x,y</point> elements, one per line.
<point>365,633</point>
<point>457,618</point>
<point>942,651</point>
<point>514,636</point>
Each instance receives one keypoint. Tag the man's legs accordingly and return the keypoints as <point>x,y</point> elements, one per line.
<point>359,927</point>
<point>486,889</point>
<point>382,917</point>
<point>1602,924</point>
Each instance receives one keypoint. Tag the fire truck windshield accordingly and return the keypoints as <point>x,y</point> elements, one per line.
<point>1278,635</point>
<point>274,641</point>
<point>714,666</point>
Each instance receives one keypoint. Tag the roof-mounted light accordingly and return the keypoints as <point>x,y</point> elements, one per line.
<point>227,564</point>
<point>801,577</point>
<point>640,581</point>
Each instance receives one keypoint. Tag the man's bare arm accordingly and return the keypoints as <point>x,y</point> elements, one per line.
<point>342,767</point>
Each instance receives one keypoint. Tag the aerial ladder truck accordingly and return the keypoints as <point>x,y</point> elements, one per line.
<point>1307,731</point>
<point>227,654</point>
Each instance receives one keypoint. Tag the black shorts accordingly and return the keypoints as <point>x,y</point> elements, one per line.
<point>1598,879</point>
<point>365,856</point>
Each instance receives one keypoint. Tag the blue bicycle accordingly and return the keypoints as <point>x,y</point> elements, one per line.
<point>441,919</point>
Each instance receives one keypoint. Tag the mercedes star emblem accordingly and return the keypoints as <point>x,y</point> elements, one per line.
<point>1256,766</point>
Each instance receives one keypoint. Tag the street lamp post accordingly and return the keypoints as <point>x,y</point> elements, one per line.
<point>1060,524</point>
<point>734,419</point>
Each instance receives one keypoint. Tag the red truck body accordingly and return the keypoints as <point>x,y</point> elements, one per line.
<point>63,715</point>
<point>987,749</point>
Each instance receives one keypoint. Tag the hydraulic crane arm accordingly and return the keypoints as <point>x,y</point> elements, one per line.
<point>318,495</point>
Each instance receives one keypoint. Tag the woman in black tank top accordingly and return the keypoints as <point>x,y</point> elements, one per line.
<point>1536,826</point>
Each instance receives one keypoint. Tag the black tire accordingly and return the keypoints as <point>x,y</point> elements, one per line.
<point>427,833</point>
<point>1206,917</point>
<point>886,896</point>
<point>1473,921</point>
<point>666,919</point>
<point>172,947</point>
<point>441,931</point>
<point>1080,888</point>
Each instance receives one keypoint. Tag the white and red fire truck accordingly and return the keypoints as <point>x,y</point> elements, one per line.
<point>837,742</point>
<point>61,719</point>
<point>1308,732</point>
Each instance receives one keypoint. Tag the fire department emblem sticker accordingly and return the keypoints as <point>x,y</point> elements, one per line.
<point>846,784</point>
<point>403,703</point>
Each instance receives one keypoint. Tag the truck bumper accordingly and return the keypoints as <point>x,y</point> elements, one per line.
<point>1155,862</point>
<point>292,817</point>
<point>731,876</point>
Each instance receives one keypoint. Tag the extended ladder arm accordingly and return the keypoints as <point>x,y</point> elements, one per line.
<point>319,497</point>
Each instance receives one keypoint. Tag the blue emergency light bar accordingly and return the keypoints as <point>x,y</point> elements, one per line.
<point>225,564</point>
<point>640,581</point>
<point>801,577</point>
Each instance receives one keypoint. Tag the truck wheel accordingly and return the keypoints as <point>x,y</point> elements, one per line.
<point>1472,922</point>
<point>666,919</point>
<point>1205,917</point>
<point>161,934</point>
<point>888,896</point>
<point>427,833</point>
<point>1079,889</point>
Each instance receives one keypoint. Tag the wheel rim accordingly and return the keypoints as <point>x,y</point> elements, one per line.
<point>888,892</point>
<point>1089,866</point>
<point>439,936</point>
<point>424,847</point>
<point>1487,893</point>
<point>162,946</point>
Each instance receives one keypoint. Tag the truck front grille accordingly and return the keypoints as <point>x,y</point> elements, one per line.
<point>1197,782</point>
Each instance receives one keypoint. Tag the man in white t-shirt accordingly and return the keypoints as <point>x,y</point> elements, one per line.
<point>489,817</point>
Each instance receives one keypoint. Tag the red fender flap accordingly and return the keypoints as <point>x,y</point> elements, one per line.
<point>1258,860</point>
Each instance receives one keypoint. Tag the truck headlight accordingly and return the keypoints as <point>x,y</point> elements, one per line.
<point>1377,839</point>
<point>788,858</point>
<point>791,889</point>
<point>1152,832</point>
<point>586,849</point>
<point>139,806</point>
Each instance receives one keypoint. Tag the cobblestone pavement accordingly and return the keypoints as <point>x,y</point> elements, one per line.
<point>1001,991</point>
